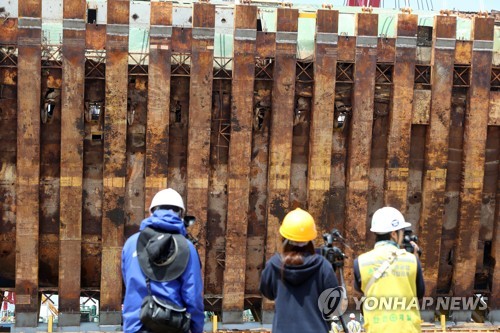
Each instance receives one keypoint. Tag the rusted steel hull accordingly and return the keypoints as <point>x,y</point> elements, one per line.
<point>436,154</point>
<point>243,144</point>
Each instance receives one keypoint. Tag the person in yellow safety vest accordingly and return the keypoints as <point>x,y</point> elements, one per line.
<point>390,278</point>
<point>353,325</point>
<point>334,326</point>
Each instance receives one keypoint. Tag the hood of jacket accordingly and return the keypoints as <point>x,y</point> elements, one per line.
<point>296,275</point>
<point>164,220</point>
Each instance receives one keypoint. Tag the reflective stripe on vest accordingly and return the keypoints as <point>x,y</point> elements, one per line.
<point>391,304</point>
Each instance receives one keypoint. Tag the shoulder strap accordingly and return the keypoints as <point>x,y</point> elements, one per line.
<point>384,267</point>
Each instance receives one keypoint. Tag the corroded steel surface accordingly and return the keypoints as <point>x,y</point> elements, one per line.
<point>322,120</point>
<point>360,139</point>
<point>114,164</point>
<point>495,252</point>
<point>398,142</point>
<point>474,145</point>
<point>157,133</point>
<point>280,140</point>
<point>436,155</point>
<point>240,147</point>
<point>28,165</point>
<point>71,181</point>
<point>8,31</point>
<point>200,107</point>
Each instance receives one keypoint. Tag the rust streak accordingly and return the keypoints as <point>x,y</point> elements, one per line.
<point>200,100</point>
<point>475,133</point>
<point>239,161</point>
<point>322,122</point>
<point>436,154</point>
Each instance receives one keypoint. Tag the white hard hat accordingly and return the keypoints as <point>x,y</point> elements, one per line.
<point>352,316</point>
<point>388,219</point>
<point>167,197</point>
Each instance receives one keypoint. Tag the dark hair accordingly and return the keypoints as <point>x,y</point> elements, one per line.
<point>294,255</point>
<point>382,237</point>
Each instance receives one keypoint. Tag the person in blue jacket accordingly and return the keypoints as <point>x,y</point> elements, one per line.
<point>297,277</point>
<point>182,283</point>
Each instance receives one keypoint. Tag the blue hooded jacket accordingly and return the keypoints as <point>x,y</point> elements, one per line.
<point>296,290</point>
<point>185,291</point>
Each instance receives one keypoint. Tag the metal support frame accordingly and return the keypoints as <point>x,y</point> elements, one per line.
<point>95,67</point>
<point>423,75</point>
<point>264,68</point>
<point>345,72</point>
<point>181,63</point>
<point>461,76</point>
<point>137,64</point>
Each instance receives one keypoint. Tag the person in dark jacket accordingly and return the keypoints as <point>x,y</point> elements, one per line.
<point>181,281</point>
<point>296,278</point>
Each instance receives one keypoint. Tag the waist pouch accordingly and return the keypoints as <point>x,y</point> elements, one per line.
<point>162,316</point>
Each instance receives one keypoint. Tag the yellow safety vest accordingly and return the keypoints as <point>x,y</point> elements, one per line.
<point>391,303</point>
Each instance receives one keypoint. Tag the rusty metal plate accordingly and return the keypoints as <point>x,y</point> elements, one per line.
<point>95,37</point>
<point>8,31</point>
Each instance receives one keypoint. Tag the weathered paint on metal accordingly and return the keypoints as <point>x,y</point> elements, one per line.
<point>157,132</point>
<point>322,115</point>
<point>71,177</point>
<point>386,48</point>
<point>495,249</point>
<point>360,138</point>
<point>28,165</point>
<point>114,163</point>
<point>463,52</point>
<point>8,31</point>
<point>280,141</point>
<point>494,114</point>
<point>200,108</point>
<point>346,48</point>
<point>266,44</point>
<point>95,37</point>
<point>436,155</point>
<point>240,148</point>
<point>400,117</point>
<point>474,145</point>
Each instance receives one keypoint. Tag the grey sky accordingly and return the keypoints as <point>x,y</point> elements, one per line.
<point>463,5</point>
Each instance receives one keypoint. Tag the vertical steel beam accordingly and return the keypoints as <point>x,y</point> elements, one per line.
<point>28,162</point>
<point>322,113</point>
<point>495,253</point>
<point>200,110</point>
<point>280,143</point>
<point>398,142</point>
<point>360,136</point>
<point>436,153</point>
<point>475,133</point>
<point>158,114</point>
<point>114,169</point>
<point>240,148</point>
<point>72,127</point>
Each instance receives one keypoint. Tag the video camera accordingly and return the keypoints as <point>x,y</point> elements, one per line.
<point>188,221</point>
<point>333,254</point>
<point>408,238</point>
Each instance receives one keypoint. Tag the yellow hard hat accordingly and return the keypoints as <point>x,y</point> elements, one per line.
<point>298,225</point>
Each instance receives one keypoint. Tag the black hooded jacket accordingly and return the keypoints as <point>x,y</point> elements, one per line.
<point>296,294</point>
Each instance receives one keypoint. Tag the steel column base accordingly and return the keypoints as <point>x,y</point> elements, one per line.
<point>461,316</point>
<point>494,317</point>
<point>232,317</point>
<point>69,319</point>
<point>428,316</point>
<point>26,319</point>
<point>110,318</point>
<point>267,317</point>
